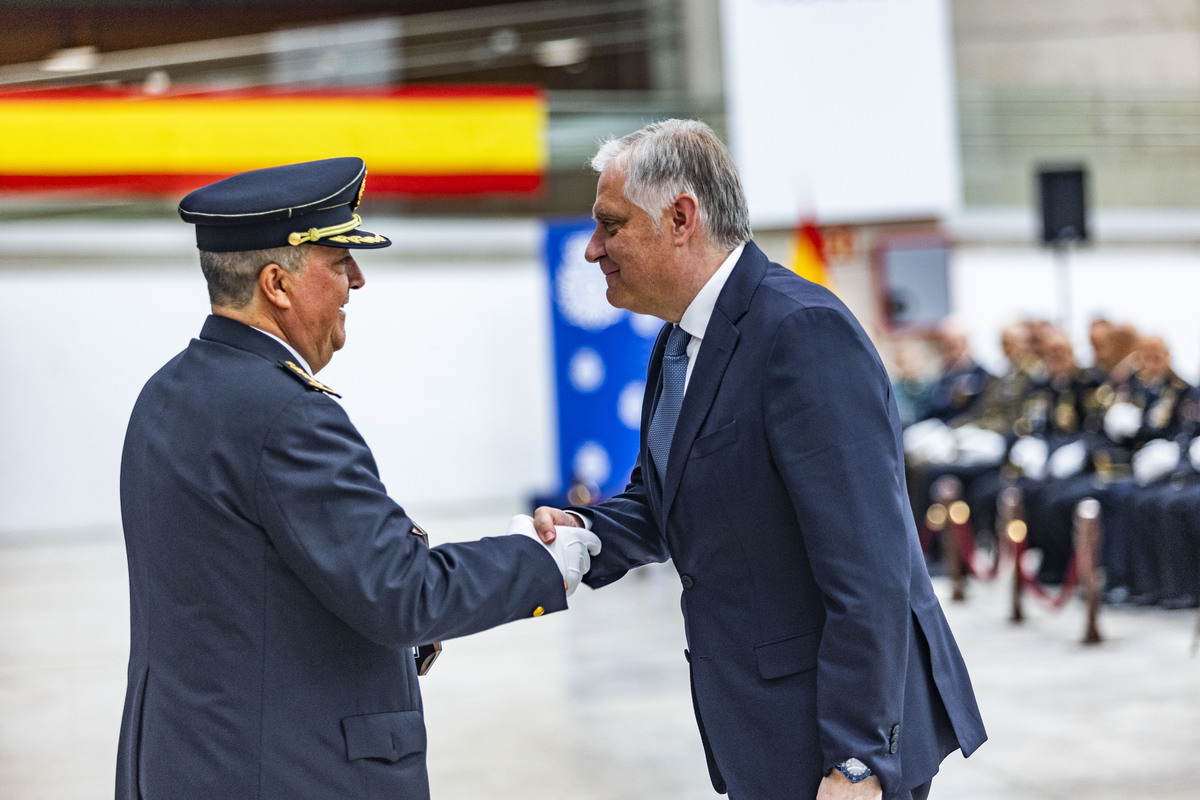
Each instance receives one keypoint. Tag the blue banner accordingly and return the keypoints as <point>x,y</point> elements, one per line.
<point>600,356</point>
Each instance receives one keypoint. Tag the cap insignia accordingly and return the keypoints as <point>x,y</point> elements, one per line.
<point>362,187</point>
<point>314,234</point>
<point>374,238</point>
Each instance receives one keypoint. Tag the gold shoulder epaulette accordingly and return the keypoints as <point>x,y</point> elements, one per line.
<point>297,372</point>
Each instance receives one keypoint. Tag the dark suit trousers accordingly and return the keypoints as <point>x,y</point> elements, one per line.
<point>921,792</point>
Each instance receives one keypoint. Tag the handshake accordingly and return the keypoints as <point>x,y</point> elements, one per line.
<point>572,548</point>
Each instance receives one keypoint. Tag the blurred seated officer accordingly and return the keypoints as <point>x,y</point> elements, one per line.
<point>958,387</point>
<point>1040,330</point>
<point>1152,420</point>
<point>1050,440</point>
<point>1162,544</point>
<point>911,384</point>
<point>962,381</point>
<point>979,438</point>
<point>1178,525</point>
<point>1099,336</point>
<point>276,591</point>
<point>1000,406</point>
<point>1148,405</point>
<point>1116,358</point>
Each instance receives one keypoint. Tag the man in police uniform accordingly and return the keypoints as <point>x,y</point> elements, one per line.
<point>276,591</point>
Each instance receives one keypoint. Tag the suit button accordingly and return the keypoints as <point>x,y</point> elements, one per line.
<point>687,654</point>
<point>687,581</point>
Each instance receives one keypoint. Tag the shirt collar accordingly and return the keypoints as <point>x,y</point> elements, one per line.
<point>695,318</point>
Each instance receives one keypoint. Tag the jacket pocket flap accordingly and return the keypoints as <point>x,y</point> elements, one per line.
<point>788,656</point>
<point>390,736</point>
<point>710,442</point>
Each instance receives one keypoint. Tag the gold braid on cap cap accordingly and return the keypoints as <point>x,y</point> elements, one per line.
<point>313,234</point>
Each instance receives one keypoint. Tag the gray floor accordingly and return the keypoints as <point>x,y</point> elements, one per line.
<point>594,703</point>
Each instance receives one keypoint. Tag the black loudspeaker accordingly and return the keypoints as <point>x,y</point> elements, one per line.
<point>1063,195</point>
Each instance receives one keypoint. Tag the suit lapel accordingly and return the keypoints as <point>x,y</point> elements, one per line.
<point>717,348</point>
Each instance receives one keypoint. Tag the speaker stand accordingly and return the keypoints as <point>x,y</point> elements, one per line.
<point>1062,267</point>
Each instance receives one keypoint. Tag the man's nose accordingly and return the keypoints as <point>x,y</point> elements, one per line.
<point>357,279</point>
<point>594,250</point>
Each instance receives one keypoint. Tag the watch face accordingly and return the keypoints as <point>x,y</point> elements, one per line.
<point>854,770</point>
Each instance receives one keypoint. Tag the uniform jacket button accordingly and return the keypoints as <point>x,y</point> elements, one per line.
<point>687,581</point>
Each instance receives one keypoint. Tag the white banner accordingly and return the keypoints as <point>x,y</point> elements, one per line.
<point>842,108</point>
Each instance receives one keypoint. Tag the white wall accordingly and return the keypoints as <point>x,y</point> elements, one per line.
<point>842,109</point>
<point>1154,287</point>
<point>445,372</point>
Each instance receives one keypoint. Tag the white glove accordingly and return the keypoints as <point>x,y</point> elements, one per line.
<point>1068,460</point>
<point>1194,453</point>
<point>1029,454</point>
<point>929,441</point>
<point>572,548</point>
<point>1154,460</point>
<point>1122,421</point>
<point>978,447</point>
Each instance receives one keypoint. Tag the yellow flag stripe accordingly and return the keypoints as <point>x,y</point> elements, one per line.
<point>399,135</point>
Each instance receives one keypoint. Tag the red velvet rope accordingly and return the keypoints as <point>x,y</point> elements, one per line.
<point>966,551</point>
<point>1053,601</point>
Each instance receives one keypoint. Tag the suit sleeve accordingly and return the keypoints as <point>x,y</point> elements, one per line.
<point>327,513</point>
<point>628,533</point>
<point>831,434</point>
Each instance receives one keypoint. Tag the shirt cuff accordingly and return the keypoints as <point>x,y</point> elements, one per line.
<point>585,521</point>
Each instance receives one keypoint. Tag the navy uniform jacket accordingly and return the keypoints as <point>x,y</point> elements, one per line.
<point>276,590</point>
<point>956,395</point>
<point>813,631</point>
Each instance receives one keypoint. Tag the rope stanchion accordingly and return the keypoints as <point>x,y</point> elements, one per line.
<point>1083,569</point>
<point>966,546</point>
<point>1087,550</point>
<point>949,517</point>
<point>947,493</point>
<point>1010,518</point>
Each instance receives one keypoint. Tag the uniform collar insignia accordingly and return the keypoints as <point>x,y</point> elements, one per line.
<point>296,371</point>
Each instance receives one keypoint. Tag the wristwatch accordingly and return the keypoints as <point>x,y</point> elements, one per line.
<point>854,770</point>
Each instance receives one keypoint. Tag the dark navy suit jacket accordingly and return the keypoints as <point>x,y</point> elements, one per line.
<point>813,631</point>
<point>276,590</point>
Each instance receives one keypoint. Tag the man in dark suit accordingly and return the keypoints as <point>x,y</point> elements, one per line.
<point>277,593</point>
<point>821,663</point>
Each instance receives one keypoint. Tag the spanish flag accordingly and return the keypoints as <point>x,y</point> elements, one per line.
<point>808,254</point>
<point>439,140</point>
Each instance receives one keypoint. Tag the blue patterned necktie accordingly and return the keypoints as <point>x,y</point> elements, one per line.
<point>666,414</point>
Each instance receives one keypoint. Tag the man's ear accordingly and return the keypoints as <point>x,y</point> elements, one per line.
<point>274,282</point>
<point>685,217</point>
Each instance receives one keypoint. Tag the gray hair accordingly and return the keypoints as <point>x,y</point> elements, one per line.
<point>231,276</point>
<point>668,158</point>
